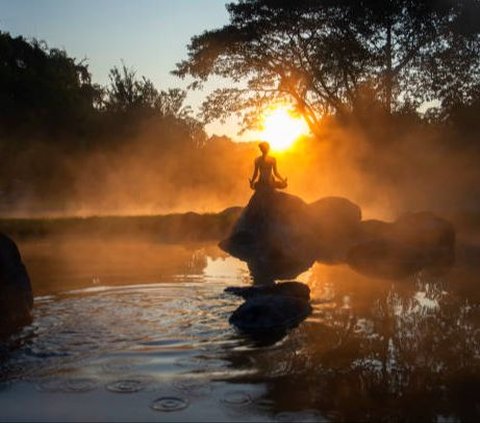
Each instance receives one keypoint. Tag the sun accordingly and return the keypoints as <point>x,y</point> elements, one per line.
<point>281,128</point>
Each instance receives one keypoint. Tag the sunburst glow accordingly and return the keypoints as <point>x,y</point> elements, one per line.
<point>281,129</point>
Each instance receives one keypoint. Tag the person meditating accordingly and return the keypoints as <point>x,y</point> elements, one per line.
<point>266,171</point>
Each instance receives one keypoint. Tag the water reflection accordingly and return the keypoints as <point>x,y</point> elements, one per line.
<point>378,350</point>
<point>57,265</point>
<point>161,343</point>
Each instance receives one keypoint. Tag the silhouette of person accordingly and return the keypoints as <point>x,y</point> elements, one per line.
<point>266,171</point>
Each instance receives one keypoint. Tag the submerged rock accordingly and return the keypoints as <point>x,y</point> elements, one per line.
<point>16,299</point>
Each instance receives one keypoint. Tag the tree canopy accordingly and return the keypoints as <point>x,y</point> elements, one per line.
<point>42,89</point>
<point>332,56</point>
<point>132,100</point>
<point>47,95</point>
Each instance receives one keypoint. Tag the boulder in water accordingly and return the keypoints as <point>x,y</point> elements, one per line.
<point>280,236</point>
<point>269,311</point>
<point>16,299</point>
<point>335,226</point>
<point>272,236</point>
<point>396,250</point>
<point>266,313</point>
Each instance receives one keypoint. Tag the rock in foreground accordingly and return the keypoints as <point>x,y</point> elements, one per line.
<point>271,309</point>
<point>270,313</point>
<point>16,299</point>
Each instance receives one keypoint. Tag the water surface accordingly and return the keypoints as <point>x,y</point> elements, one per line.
<point>139,331</point>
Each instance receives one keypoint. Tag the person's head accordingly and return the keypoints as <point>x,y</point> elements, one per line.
<point>264,147</point>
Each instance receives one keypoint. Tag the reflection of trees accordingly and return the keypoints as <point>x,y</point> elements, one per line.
<point>378,350</point>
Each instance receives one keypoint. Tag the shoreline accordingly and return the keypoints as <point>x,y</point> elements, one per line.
<point>189,226</point>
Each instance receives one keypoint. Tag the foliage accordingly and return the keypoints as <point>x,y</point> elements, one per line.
<point>131,100</point>
<point>47,95</point>
<point>43,90</point>
<point>334,56</point>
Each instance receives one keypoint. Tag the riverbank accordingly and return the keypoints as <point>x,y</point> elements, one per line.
<point>178,227</point>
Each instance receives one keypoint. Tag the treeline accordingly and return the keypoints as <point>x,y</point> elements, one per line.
<point>47,95</point>
<point>53,116</point>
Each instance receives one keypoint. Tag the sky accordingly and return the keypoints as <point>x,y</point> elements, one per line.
<point>149,35</point>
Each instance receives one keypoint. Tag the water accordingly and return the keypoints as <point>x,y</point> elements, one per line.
<point>139,331</point>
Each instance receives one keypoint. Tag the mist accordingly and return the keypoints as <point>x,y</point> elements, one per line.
<point>403,166</point>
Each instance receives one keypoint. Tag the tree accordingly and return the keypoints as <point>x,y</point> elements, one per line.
<point>43,91</point>
<point>133,100</point>
<point>322,56</point>
<point>127,94</point>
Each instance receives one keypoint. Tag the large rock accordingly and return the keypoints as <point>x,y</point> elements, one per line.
<point>280,236</point>
<point>395,250</point>
<point>273,236</point>
<point>385,258</point>
<point>16,299</point>
<point>335,225</point>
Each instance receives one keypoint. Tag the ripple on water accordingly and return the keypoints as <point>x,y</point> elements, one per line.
<point>74,385</point>
<point>50,385</point>
<point>237,398</point>
<point>169,404</point>
<point>128,385</point>
<point>79,385</point>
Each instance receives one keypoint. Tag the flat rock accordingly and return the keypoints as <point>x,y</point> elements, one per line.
<point>291,288</point>
<point>266,313</point>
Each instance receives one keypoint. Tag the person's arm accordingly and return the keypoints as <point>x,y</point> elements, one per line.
<point>275,171</point>
<point>255,174</point>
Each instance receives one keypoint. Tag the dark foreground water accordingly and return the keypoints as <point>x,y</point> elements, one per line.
<point>139,331</point>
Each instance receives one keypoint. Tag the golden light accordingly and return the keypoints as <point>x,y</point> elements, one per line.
<point>281,128</point>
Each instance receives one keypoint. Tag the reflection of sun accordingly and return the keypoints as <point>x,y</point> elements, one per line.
<point>281,129</point>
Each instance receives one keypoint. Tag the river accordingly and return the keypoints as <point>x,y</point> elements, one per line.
<point>138,330</point>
